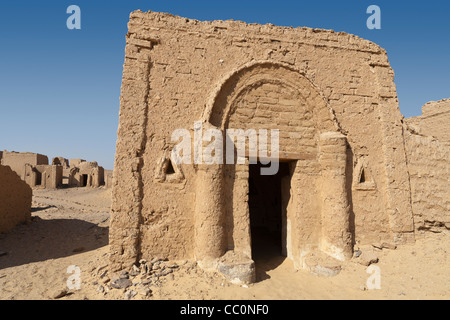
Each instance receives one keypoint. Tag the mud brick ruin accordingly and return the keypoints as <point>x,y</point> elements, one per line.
<point>351,171</point>
<point>34,169</point>
<point>84,174</point>
<point>22,171</point>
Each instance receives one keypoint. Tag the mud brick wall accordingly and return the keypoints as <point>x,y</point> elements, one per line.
<point>178,71</point>
<point>427,140</point>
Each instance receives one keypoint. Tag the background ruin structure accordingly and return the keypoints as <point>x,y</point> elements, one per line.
<point>85,174</point>
<point>43,176</point>
<point>17,161</point>
<point>34,169</point>
<point>344,175</point>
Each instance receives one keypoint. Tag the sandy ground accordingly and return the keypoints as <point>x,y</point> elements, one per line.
<point>70,228</point>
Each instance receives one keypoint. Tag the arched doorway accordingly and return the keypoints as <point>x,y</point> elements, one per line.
<point>313,205</point>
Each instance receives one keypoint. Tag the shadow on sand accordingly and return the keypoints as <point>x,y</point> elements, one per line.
<point>42,240</point>
<point>266,254</point>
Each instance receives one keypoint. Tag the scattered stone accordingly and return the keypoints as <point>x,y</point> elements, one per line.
<point>144,291</point>
<point>60,293</point>
<point>367,257</point>
<point>388,245</point>
<point>384,245</point>
<point>124,275</point>
<point>237,268</point>
<point>156,267</point>
<point>154,260</point>
<point>121,283</point>
<point>357,253</point>
<point>101,268</point>
<point>158,259</point>
<point>106,280</point>
<point>158,263</point>
<point>190,265</point>
<point>165,272</point>
<point>363,288</point>
<point>147,282</point>
<point>320,264</point>
<point>135,271</point>
<point>130,294</point>
<point>100,289</point>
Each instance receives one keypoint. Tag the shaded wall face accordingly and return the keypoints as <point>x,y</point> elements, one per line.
<point>15,199</point>
<point>173,75</point>
<point>428,164</point>
<point>427,141</point>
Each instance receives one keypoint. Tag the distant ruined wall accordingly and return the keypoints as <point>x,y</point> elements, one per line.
<point>44,176</point>
<point>434,121</point>
<point>18,160</point>
<point>15,199</point>
<point>427,141</point>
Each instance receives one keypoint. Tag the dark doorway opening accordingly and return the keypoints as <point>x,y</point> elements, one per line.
<point>267,208</point>
<point>84,180</point>
<point>38,178</point>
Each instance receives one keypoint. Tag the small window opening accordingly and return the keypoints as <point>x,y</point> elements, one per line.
<point>362,178</point>
<point>169,168</point>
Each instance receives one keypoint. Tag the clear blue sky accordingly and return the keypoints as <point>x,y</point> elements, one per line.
<point>60,88</point>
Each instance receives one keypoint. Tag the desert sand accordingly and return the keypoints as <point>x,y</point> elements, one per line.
<point>70,227</point>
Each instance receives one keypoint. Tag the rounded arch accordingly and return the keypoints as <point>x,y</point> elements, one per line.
<point>253,74</point>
